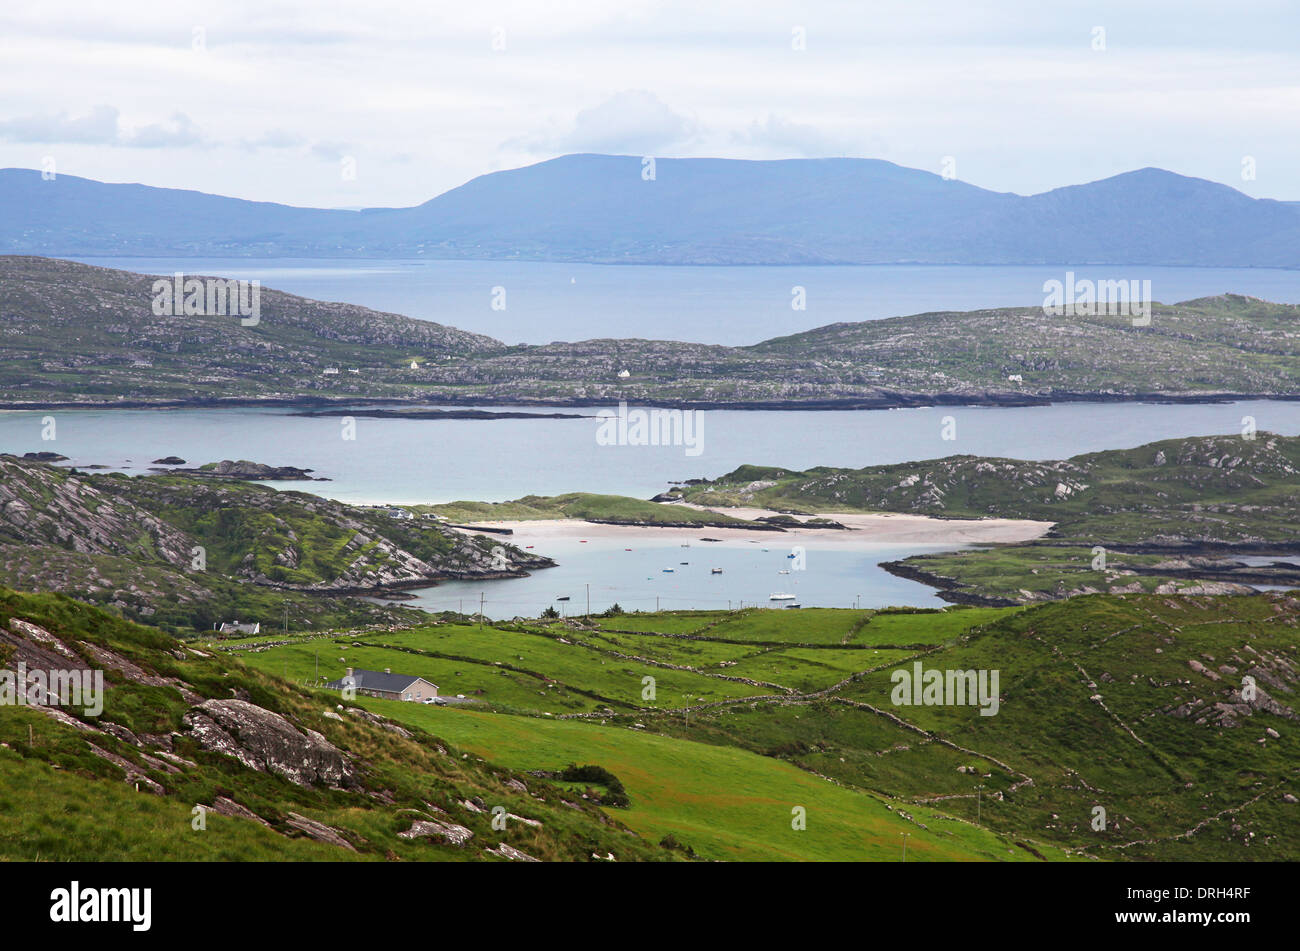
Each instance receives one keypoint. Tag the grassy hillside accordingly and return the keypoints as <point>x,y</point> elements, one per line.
<point>131,544</point>
<point>75,331</point>
<point>183,727</point>
<point>81,333</point>
<point>588,506</point>
<point>1133,703</point>
<point>1165,513</point>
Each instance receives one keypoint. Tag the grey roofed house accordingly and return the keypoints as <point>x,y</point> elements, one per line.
<point>386,685</point>
<point>234,627</point>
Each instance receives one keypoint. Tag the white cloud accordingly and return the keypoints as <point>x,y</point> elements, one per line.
<point>779,137</point>
<point>99,127</point>
<point>178,131</point>
<point>632,122</point>
<point>1009,87</point>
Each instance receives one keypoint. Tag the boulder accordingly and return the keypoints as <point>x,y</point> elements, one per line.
<point>267,742</point>
<point>318,831</point>
<point>452,833</point>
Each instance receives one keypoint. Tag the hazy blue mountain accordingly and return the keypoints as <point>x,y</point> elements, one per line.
<point>696,211</point>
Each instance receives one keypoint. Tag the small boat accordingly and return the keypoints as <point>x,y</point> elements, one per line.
<point>784,571</point>
<point>791,555</point>
<point>582,541</point>
<point>716,571</point>
<point>625,549</point>
<point>683,562</point>
<point>781,597</point>
<point>528,546</point>
<point>669,571</point>
<point>565,597</point>
<point>686,544</point>
<point>791,607</point>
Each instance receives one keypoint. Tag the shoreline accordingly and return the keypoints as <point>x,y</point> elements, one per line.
<point>992,399</point>
<point>862,530</point>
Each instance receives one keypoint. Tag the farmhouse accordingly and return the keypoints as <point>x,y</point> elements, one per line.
<point>234,627</point>
<point>386,685</point>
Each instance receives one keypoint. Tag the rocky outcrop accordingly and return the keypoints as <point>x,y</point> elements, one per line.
<point>225,806</point>
<point>510,852</point>
<point>318,831</point>
<point>251,471</point>
<point>43,506</point>
<point>267,742</point>
<point>448,832</point>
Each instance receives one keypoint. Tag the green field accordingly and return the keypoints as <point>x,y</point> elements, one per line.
<point>724,803</point>
<point>722,739</point>
<point>708,758</point>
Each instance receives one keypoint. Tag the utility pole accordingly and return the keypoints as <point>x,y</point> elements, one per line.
<point>318,664</point>
<point>979,794</point>
<point>656,604</point>
<point>480,610</point>
<point>588,599</point>
<point>904,835</point>
<point>286,618</point>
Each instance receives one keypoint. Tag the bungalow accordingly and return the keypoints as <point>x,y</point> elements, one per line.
<point>386,685</point>
<point>235,628</point>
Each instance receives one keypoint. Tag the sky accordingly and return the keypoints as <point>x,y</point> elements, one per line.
<point>338,103</point>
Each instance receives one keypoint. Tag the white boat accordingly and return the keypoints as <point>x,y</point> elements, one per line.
<point>784,571</point>
<point>716,571</point>
<point>781,597</point>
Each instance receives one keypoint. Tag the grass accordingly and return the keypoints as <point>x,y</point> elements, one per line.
<point>1127,702</point>
<point>724,803</point>
<point>585,505</point>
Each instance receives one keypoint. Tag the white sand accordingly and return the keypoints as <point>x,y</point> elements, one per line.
<point>873,529</point>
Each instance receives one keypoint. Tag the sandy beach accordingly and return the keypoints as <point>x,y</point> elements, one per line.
<point>863,530</point>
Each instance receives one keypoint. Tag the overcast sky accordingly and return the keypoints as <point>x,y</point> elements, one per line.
<point>346,103</point>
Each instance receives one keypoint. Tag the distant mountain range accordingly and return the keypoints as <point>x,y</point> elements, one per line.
<point>601,208</point>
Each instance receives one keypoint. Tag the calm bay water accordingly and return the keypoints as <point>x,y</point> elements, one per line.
<point>726,305</point>
<point>410,461</point>
<point>637,582</point>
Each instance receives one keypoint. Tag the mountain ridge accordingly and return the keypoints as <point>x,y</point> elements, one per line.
<point>602,209</point>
